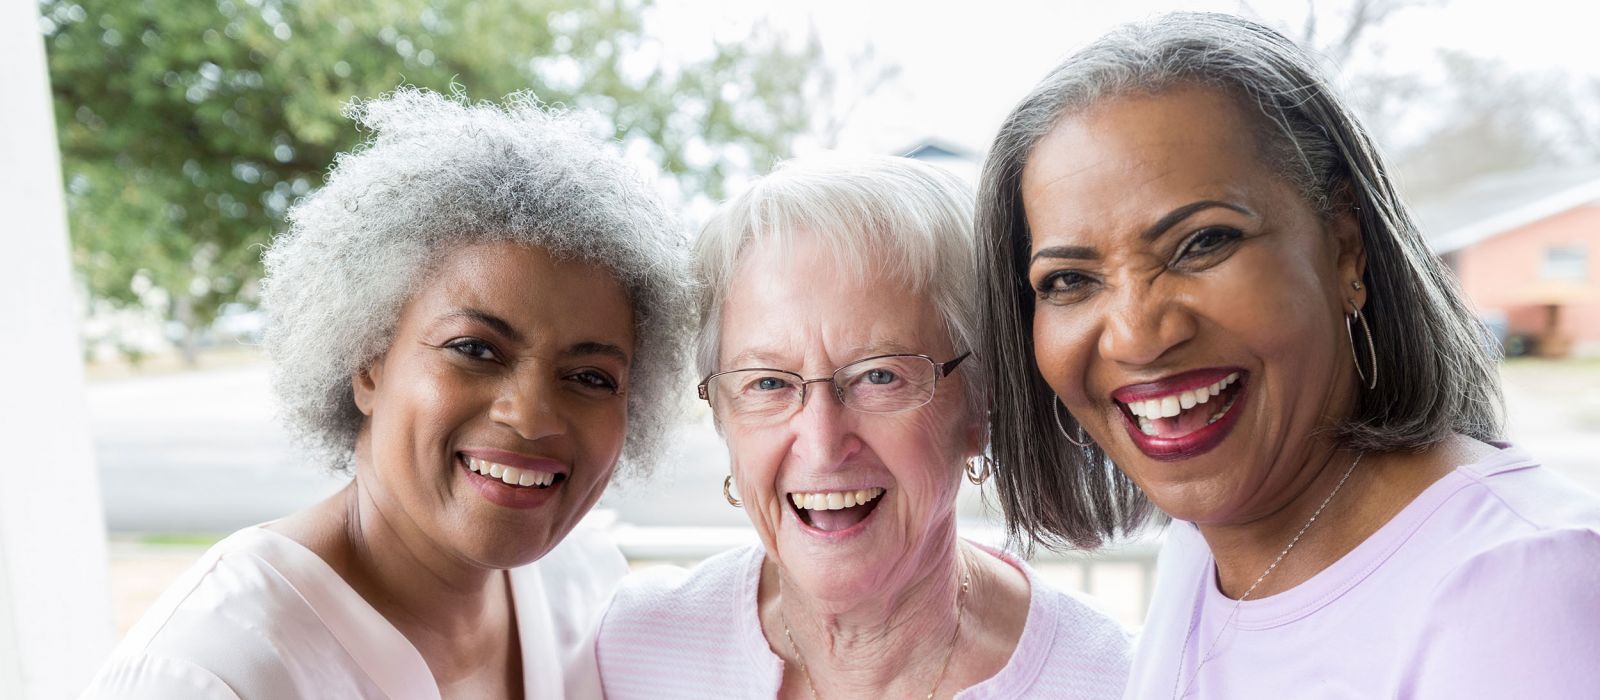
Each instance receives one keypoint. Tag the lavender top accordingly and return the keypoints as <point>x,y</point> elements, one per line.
<point>672,633</point>
<point>1486,586</point>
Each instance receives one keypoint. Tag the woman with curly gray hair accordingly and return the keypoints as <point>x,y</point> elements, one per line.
<point>478,317</point>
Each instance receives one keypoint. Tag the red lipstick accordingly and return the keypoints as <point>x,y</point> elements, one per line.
<point>1172,448</point>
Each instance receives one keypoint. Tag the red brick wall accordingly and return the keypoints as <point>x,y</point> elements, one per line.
<point>1496,270</point>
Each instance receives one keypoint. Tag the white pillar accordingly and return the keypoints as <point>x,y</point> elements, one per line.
<point>55,607</point>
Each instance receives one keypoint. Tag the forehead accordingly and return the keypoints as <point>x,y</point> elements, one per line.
<point>1129,153</point>
<point>794,305</point>
<point>530,288</point>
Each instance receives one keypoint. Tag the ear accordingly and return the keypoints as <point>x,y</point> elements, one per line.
<point>364,386</point>
<point>1344,228</point>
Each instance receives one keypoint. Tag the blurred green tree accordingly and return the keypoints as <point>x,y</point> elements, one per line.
<point>188,127</point>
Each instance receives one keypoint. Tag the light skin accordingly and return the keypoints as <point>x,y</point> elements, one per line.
<point>504,347</point>
<point>872,613</point>
<point>1162,243</point>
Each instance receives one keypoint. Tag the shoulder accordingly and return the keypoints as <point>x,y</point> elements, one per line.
<point>1512,483</point>
<point>1087,639</point>
<point>148,677</point>
<point>670,595</point>
<point>669,629</point>
<point>1526,603</point>
<point>1069,647</point>
<point>218,626</point>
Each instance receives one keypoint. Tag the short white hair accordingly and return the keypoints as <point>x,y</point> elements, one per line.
<point>437,174</point>
<point>873,215</point>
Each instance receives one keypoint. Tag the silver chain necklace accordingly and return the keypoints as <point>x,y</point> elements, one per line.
<point>1183,651</point>
<point>961,604</point>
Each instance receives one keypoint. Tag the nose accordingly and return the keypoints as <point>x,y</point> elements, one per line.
<point>824,432</point>
<point>530,406</point>
<point>1143,324</point>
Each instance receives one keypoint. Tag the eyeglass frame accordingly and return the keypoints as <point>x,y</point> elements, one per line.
<point>940,371</point>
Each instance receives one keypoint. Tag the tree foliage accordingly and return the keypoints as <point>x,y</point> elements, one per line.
<point>188,127</point>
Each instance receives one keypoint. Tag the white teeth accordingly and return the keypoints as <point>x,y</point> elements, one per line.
<point>834,500</point>
<point>1169,406</point>
<point>510,475</point>
<point>1146,426</point>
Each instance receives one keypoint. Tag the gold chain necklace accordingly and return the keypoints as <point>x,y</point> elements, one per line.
<point>961,604</point>
<point>1184,650</point>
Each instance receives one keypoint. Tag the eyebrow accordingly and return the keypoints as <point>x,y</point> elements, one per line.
<point>499,325</point>
<point>1078,252</point>
<point>771,359</point>
<point>591,347</point>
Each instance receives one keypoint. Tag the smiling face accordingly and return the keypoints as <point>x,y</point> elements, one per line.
<point>792,311</point>
<point>1189,302</point>
<point>508,367</point>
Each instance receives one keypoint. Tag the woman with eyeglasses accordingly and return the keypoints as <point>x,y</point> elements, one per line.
<point>837,309</point>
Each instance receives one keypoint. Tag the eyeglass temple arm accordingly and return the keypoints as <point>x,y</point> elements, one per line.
<point>945,368</point>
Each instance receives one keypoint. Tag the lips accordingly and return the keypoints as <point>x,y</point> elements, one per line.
<point>512,480</point>
<point>1183,415</point>
<point>835,513</point>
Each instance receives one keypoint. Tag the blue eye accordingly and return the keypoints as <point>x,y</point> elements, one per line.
<point>880,376</point>
<point>770,384</point>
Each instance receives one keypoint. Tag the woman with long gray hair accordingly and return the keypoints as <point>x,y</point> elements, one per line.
<point>1204,294</point>
<point>475,318</point>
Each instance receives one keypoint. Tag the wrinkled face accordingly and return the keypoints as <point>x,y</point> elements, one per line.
<point>792,311</point>
<point>1189,302</point>
<point>498,412</point>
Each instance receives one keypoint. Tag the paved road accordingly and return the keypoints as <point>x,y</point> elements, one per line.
<point>201,452</point>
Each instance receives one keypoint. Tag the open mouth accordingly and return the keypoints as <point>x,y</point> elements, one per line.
<point>835,511</point>
<point>512,476</point>
<point>1180,413</point>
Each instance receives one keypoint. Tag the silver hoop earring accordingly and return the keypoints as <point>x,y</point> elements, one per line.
<point>978,474</point>
<point>1083,440</point>
<point>1369,377</point>
<point>727,486</point>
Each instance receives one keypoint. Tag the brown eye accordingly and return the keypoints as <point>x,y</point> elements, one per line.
<point>1063,285</point>
<point>1208,240</point>
<point>473,348</point>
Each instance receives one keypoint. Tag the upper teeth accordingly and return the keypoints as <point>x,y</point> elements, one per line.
<point>1172,404</point>
<point>834,500</point>
<point>510,475</point>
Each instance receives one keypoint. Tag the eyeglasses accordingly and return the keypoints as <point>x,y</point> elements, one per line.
<point>879,384</point>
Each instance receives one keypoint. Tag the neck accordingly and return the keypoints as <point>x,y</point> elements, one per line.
<point>896,644</point>
<point>1245,550</point>
<point>458,616</point>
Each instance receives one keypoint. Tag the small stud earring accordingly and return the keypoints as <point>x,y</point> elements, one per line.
<point>1357,285</point>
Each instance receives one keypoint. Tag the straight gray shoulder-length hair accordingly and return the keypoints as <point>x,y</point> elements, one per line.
<point>439,173</point>
<point>1437,373</point>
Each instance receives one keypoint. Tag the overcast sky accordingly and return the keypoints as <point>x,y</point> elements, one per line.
<point>963,65</point>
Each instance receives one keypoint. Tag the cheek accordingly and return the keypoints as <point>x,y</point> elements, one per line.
<point>1061,352</point>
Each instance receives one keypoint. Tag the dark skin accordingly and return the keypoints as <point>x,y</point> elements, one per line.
<point>504,348</point>
<point>1162,243</point>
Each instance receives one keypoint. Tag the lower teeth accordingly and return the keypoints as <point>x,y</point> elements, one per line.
<point>1148,426</point>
